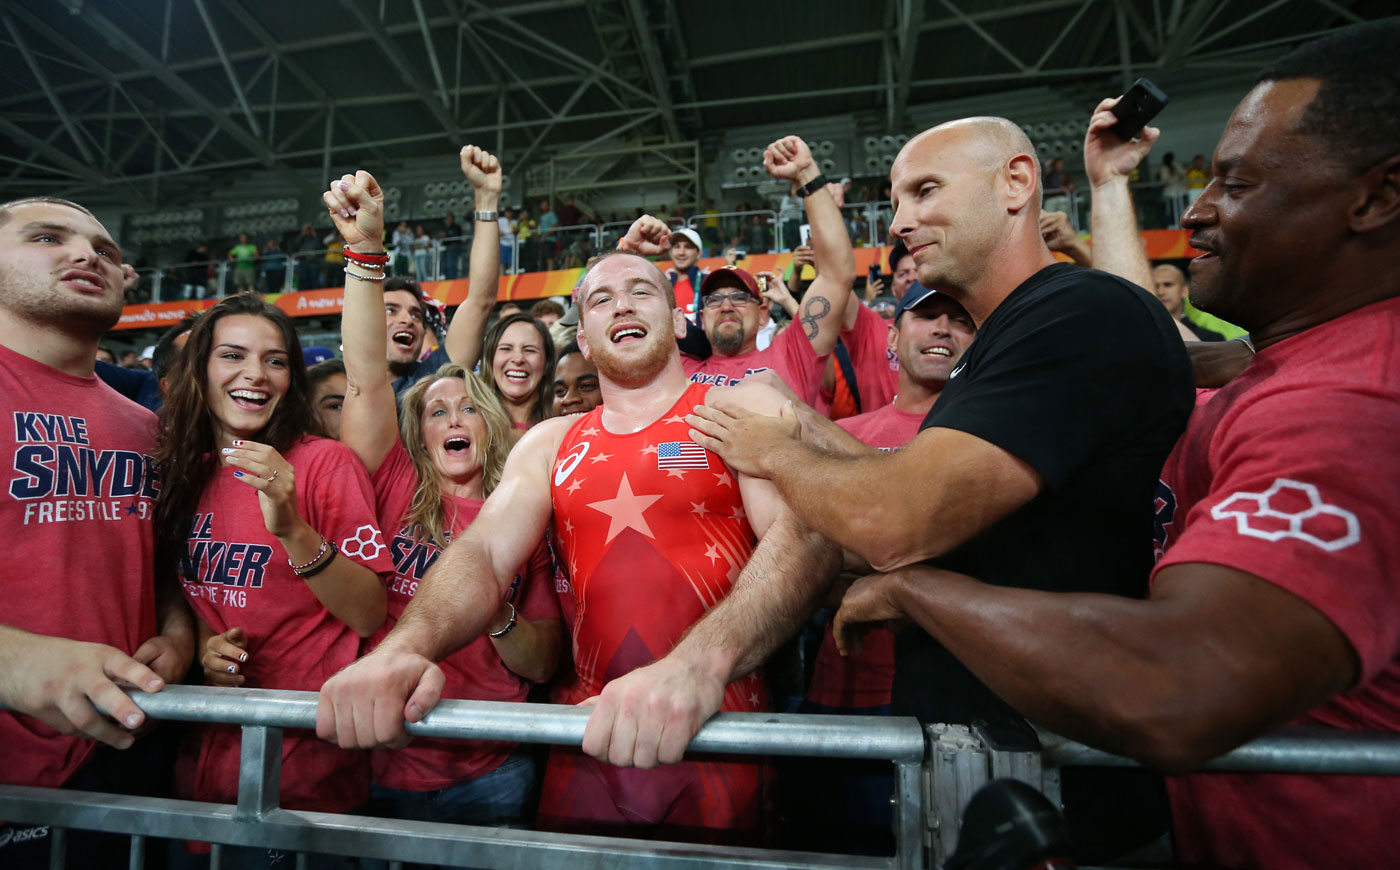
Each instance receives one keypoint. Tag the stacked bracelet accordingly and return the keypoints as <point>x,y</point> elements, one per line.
<point>318,562</point>
<point>379,277</point>
<point>369,261</point>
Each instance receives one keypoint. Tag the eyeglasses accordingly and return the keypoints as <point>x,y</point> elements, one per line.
<point>739,298</point>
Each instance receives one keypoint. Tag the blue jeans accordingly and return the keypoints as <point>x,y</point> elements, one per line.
<point>501,798</point>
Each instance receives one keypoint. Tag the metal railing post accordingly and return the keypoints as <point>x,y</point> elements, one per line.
<point>259,771</point>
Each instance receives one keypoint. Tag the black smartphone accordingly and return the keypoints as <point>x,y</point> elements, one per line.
<point>1139,105</point>
<point>873,276</point>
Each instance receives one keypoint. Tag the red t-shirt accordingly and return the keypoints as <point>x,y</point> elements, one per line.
<point>853,682</point>
<point>875,365</point>
<point>236,575</point>
<point>78,555</point>
<point>652,534</point>
<point>475,672</point>
<point>1290,473</point>
<point>791,355</point>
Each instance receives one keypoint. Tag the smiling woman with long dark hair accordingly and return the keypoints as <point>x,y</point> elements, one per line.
<point>279,548</point>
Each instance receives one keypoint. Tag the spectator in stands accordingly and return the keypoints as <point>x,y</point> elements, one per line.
<point>452,235</point>
<point>105,355</point>
<point>508,226</point>
<point>521,357</point>
<point>410,311</point>
<point>629,328</point>
<point>274,266</point>
<point>547,311</point>
<point>1055,505</point>
<point>326,380</point>
<point>529,242</point>
<point>576,388</point>
<point>244,256</point>
<point>733,301</point>
<point>1196,177</point>
<point>241,473</point>
<point>333,263</point>
<point>67,636</point>
<point>685,273</point>
<point>422,254</point>
<point>196,275</point>
<point>1170,286</point>
<point>403,249</point>
<point>758,236</point>
<point>1172,176</point>
<point>429,485</point>
<point>308,269</point>
<point>549,241</point>
<point>129,360</point>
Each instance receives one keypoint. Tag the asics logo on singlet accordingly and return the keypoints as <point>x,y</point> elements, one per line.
<point>22,835</point>
<point>1290,509</point>
<point>567,465</point>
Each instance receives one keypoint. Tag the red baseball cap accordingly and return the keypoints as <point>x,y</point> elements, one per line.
<point>730,276</point>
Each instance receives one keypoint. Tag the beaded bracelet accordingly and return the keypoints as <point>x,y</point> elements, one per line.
<point>379,277</point>
<point>319,553</point>
<point>317,569</point>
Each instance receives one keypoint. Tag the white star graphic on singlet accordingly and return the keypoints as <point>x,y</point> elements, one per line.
<point>677,472</point>
<point>753,698</point>
<point>625,510</point>
<point>573,487</point>
<point>601,457</point>
<point>569,526</point>
<point>722,479</point>
<point>738,512</point>
<point>712,553</point>
<point>699,508</point>
<point>650,448</point>
<point>591,430</point>
<point>674,418</point>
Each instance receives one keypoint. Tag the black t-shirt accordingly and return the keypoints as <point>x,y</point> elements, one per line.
<point>1084,377</point>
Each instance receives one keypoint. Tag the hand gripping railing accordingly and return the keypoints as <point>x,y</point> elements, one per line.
<point>257,820</point>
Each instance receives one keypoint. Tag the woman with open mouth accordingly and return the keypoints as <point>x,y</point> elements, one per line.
<point>430,475</point>
<point>280,553</point>
<point>521,355</point>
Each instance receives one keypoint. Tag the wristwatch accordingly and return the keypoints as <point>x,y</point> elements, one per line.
<point>812,186</point>
<point>484,216</point>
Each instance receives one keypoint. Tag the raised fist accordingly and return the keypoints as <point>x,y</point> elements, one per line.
<point>481,168</point>
<point>790,159</point>
<point>357,208</point>
<point>648,236</point>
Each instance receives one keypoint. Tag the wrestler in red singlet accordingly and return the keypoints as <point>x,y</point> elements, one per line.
<point>652,534</point>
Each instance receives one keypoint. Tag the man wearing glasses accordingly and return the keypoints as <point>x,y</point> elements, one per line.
<point>732,302</point>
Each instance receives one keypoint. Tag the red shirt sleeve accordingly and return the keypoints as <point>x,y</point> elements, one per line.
<point>1281,506</point>
<point>340,505</point>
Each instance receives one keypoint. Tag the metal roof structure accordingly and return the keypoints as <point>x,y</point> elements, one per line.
<point>153,103</point>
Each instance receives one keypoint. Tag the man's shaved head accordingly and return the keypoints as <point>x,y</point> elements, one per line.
<point>990,140</point>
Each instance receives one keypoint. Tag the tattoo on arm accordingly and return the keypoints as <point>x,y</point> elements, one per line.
<point>813,312</point>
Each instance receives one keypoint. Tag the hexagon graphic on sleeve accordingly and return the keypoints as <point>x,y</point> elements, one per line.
<point>365,544</point>
<point>1289,509</point>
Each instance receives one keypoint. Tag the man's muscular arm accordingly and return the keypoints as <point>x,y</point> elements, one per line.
<point>651,714</point>
<point>941,489</point>
<point>365,705</point>
<point>823,309</point>
<point>1214,658</point>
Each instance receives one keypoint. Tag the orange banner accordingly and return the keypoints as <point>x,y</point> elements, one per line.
<point>1160,244</point>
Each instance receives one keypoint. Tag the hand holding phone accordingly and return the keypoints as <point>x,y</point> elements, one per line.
<point>1139,105</point>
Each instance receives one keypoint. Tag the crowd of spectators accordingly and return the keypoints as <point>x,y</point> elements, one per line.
<point>1155,541</point>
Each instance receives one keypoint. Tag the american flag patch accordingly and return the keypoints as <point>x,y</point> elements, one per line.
<point>681,454</point>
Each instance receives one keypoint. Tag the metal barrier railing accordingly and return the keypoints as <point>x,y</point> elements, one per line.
<point>964,759</point>
<point>257,820</point>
